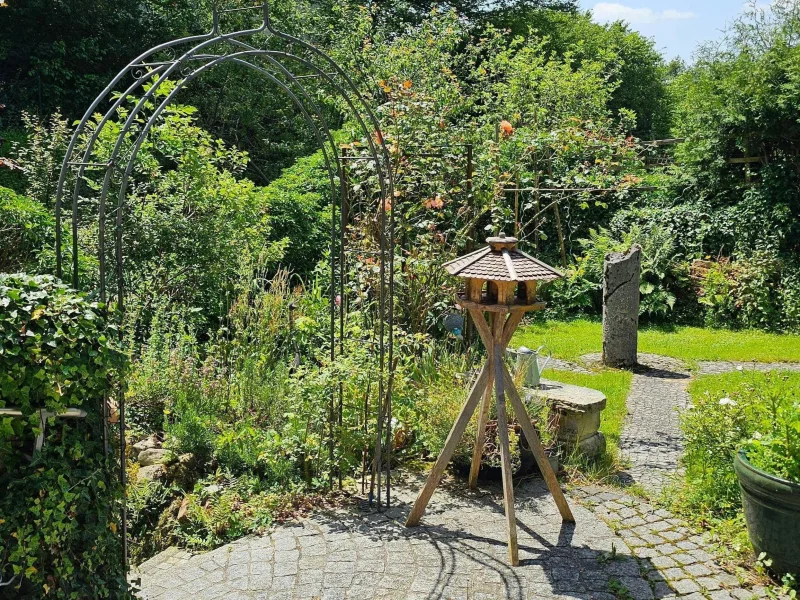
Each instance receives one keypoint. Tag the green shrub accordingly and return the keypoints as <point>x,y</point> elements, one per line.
<point>191,433</point>
<point>296,204</point>
<point>58,349</point>
<point>571,295</point>
<point>662,275</point>
<point>26,227</point>
<point>756,411</point>
<point>58,530</point>
<point>777,449</point>
<point>220,510</point>
<point>757,292</point>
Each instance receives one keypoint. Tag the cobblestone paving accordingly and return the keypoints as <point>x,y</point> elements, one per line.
<point>619,543</point>
<point>679,566</point>
<point>558,364</point>
<point>651,437</point>
<point>706,367</point>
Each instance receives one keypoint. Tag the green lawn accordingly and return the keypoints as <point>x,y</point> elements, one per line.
<point>570,340</point>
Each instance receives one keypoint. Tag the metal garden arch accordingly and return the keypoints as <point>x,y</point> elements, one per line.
<point>179,62</point>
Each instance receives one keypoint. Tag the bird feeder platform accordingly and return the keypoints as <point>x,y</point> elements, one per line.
<point>501,284</point>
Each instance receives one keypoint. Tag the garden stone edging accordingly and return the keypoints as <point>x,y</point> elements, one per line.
<point>155,456</point>
<point>151,473</point>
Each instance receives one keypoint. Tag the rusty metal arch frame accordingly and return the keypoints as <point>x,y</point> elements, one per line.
<point>149,74</point>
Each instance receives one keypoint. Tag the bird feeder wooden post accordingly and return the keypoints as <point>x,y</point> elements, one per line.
<point>501,281</point>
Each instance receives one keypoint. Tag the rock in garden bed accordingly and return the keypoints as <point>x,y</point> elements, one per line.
<point>155,456</point>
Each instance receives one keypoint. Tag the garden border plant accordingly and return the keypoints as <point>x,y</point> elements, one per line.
<point>60,504</point>
<point>755,413</point>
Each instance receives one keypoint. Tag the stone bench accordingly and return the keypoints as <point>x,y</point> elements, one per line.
<point>578,409</point>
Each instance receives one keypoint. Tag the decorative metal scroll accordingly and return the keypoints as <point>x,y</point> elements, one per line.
<point>96,189</point>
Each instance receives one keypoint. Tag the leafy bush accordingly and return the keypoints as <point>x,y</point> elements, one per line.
<point>58,349</point>
<point>26,227</point>
<point>751,410</point>
<point>570,296</point>
<point>216,514</point>
<point>440,392</point>
<point>58,530</point>
<point>777,449</point>
<point>661,274</point>
<point>738,101</point>
<point>297,204</point>
<point>761,291</point>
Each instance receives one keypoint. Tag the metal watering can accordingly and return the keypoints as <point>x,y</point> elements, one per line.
<point>528,362</point>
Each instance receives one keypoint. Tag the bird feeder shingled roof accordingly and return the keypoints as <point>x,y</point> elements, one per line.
<point>501,265</point>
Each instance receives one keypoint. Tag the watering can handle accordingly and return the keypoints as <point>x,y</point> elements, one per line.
<point>547,360</point>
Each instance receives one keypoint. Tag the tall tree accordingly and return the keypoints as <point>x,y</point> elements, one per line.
<point>60,55</point>
<point>635,64</point>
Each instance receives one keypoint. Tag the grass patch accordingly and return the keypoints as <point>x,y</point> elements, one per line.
<point>615,385</point>
<point>570,340</point>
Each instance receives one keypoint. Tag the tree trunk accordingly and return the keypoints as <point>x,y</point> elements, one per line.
<point>621,273</point>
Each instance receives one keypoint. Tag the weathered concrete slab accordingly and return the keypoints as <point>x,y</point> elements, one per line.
<point>579,414</point>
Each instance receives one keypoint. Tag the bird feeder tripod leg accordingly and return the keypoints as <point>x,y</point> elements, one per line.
<point>449,447</point>
<point>483,415</point>
<point>536,445</point>
<point>505,452</point>
<point>504,329</point>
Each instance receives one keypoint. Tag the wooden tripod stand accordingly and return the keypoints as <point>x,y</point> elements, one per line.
<point>504,321</point>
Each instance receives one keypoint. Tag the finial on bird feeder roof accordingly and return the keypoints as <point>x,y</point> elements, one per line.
<point>501,276</point>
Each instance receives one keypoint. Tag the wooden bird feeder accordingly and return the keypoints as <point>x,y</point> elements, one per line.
<point>501,281</point>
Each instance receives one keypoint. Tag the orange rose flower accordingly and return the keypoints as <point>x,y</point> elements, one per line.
<point>434,203</point>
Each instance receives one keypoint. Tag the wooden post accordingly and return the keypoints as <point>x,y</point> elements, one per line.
<point>475,289</point>
<point>449,447</point>
<point>505,450</point>
<point>560,232</point>
<point>536,447</point>
<point>469,325</point>
<point>483,416</point>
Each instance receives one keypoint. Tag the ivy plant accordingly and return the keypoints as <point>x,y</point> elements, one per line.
<point>58,509</point>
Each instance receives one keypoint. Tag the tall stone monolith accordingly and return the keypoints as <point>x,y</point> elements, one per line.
<point>621,273</point>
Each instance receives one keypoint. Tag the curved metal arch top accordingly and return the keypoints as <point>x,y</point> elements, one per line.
<point>188,58</point>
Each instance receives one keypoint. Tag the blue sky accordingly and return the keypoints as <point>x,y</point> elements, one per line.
<point>677,26</point>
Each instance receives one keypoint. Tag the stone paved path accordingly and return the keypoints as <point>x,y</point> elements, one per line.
<point>558,364</point>
<point>651,437</point>
<point>459,552</point>
<point>706,367</point>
